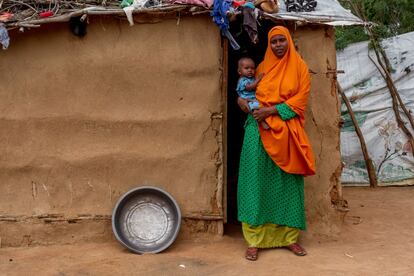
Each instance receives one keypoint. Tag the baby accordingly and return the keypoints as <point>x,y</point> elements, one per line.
<point>247,84</point>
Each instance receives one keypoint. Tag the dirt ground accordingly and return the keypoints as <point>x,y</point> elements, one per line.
<point>377,239</point>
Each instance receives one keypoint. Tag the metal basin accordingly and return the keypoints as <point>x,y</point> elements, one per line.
<point>146,220</point>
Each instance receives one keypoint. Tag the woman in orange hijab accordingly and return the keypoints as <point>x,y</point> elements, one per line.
<point>274,161</point>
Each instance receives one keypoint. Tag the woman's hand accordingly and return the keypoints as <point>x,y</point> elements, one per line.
<point>243,103</point>
<point>264,112</point>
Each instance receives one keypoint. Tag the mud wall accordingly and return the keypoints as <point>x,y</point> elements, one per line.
<point>84,120</point>
<point>323,194</point>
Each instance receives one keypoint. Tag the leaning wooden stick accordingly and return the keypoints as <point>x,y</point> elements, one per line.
<point>368,161</point>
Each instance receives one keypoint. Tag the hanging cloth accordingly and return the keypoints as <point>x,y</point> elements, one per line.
<point>219,14</point>
<point>249,22</point>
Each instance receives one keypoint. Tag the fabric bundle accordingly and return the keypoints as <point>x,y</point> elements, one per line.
<point>269,6</point>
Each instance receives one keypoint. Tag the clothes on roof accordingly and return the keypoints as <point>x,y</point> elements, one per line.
<point>27,15</point>
<point>250,23</point>
<point>202,3</point>
<point>220,11</point>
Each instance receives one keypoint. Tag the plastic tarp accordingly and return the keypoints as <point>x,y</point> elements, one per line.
<point>371,101</point>
<point>328,12</point>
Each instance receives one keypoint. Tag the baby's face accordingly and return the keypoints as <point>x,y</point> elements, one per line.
<point>246,68</point>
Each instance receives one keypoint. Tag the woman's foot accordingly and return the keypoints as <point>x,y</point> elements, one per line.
<point>296,249</point>
<point>252,253</point>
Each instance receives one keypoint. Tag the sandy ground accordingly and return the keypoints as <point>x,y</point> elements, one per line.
<point>377,239</point>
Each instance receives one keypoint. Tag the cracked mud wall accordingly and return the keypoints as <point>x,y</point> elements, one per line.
<point>323,193</point>
<point>85,120</point>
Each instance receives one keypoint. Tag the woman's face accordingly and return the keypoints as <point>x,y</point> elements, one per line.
<point>279,45</point>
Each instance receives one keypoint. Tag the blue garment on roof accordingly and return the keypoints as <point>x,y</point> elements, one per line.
<point>219,14</point>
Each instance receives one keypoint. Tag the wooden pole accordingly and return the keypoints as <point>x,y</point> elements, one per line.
<point>368,161</point>
<point>224,97</point>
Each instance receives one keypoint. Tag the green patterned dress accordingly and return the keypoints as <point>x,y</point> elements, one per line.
<point>270,201</point>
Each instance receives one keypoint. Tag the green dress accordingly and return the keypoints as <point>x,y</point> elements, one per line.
<point>270,201</point>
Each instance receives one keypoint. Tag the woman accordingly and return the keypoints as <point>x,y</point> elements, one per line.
<point>274,161</point>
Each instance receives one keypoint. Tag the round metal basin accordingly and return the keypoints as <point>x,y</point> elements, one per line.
<point>146,220</point>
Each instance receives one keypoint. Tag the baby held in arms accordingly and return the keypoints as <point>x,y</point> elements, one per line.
<point>246,85</point>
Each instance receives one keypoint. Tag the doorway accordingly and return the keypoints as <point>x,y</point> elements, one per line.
<point>235,117</point>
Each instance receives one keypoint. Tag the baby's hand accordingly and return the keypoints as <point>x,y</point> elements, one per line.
<point>260,76</point>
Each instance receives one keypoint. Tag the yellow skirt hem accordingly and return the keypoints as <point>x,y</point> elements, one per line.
<point>269,235</point>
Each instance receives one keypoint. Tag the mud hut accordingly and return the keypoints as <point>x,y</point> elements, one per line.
<point>86,119</point>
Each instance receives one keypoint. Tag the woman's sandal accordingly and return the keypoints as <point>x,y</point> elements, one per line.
<point>252,253</point>
<point>296,249</point>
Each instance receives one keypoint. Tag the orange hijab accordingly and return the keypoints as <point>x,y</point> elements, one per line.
<point>286,80</point>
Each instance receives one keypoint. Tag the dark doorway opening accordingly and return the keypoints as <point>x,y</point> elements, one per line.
<point>235,116</point>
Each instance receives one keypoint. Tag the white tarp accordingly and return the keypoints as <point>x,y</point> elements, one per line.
<point>328,12</point>
<point>371,101</point>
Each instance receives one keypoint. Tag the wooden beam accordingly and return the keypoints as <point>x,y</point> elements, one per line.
<point>368,161</point>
